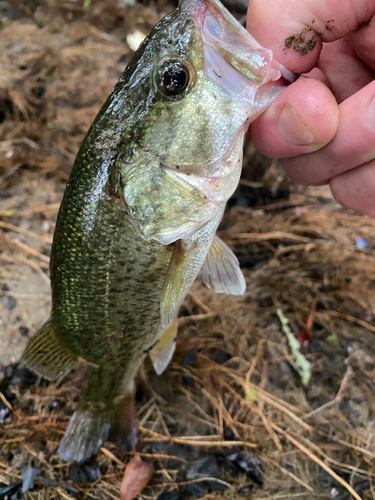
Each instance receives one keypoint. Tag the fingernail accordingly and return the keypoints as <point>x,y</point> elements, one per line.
<point>294,129</point>
<point>371,112</point>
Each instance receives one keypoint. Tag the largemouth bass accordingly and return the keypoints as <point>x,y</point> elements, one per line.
<point>141,208</point>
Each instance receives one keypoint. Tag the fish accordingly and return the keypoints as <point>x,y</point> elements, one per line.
<point>141,208</point>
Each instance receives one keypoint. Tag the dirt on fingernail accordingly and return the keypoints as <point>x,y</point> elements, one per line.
<point>300,43</point>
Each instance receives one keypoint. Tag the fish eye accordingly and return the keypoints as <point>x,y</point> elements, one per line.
<point>172,78</point>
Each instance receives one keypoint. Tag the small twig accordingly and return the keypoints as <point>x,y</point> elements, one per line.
<point>146,455</point>
<point>198,480</point>
<point>52,207</point>
<point>294,248</point>
<point>193,442</point>
<point>210,444</point>
<point>252,184</point>
<point>10,473</point>
<point>155,455</point>
<point>199,303</point>
<point>347,444</point>
<point>285,204</point>
<point>348,375</point>
<point>56,484</point>
<point>321,408</point>
<point>22,247</point>
<point>64,495</point>
<point>164,425</point>
<point>17,229</point>
<point>255,361</point>
<point>112,456</point>
<point>34,265</point>
<point>32,452</point>
<point>5,401</point>
<point>352,319</point>
<point>196,317</point>
<point>273,235</point>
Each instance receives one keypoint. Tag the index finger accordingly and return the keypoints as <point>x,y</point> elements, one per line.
<point>304,25</point>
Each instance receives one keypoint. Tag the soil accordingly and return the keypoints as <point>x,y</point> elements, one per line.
<point>301,43</point>
<point>231,406</point>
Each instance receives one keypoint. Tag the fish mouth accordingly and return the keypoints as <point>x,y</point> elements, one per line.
<point>234,60</point>
<point>226,36</point>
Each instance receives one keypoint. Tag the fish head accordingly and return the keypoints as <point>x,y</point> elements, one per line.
<point>186,101</point>
<point>209,79</point>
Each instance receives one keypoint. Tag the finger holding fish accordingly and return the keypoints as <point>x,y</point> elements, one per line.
<point>324,133</point>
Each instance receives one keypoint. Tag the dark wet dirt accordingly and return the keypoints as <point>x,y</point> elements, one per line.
<point>301,43</point>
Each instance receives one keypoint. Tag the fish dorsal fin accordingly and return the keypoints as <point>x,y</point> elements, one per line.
<point>162,353</point>
<point>47,356</point>
<point>221,270</point>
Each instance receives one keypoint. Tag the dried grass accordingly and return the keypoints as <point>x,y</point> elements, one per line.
<point>312,440</point>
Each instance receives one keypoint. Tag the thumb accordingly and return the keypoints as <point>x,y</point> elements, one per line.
<point>302,119</point>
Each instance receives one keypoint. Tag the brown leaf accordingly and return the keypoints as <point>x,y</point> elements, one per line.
<point>137,475</point>
<point>304,336</point>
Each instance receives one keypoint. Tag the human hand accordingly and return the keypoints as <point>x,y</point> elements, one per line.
<point>322,126</point>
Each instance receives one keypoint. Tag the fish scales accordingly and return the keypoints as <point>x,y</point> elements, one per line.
<point>109,268</point>
<point>106,279</point>
<point>141,208</point>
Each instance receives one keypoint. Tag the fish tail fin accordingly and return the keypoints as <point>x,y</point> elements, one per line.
<point>89,428</point>
<point>86,432</point>
<point>101,410</point>
<point>47,355</point>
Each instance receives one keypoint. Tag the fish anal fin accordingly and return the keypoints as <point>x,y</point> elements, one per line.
<point>162,353</point>
<point>221,270</point>
<point>46,355</point>
<point>124,427</point>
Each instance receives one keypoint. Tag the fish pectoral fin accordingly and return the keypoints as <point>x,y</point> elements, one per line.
<point>187,259</point>
<point>47,356</point>
<point>221,270</point>
<point>162,353</point>
<point>86,432</point>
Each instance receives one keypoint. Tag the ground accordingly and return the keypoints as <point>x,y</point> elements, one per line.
<point>232,406</point>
